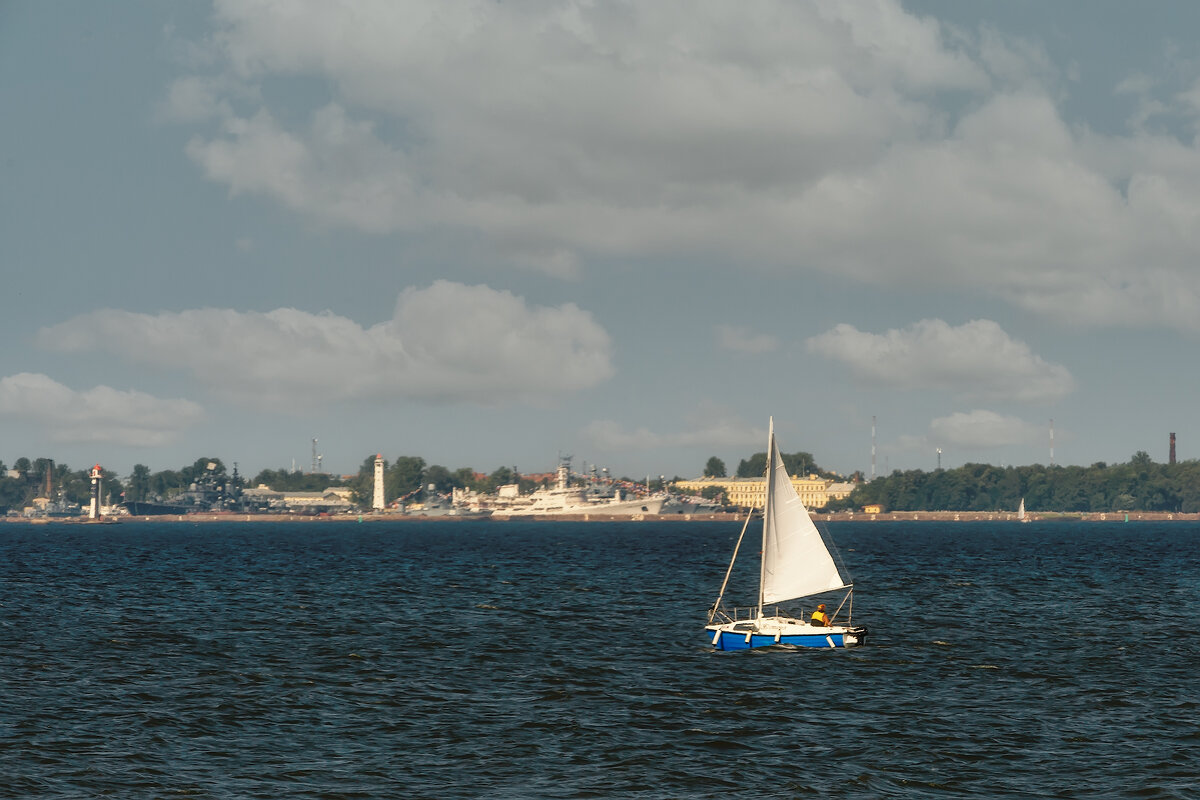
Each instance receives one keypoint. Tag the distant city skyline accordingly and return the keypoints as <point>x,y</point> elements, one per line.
<point>487,233</point>
<point>578,466</point>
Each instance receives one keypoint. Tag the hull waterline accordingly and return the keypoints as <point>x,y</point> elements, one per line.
<point>832,638</point>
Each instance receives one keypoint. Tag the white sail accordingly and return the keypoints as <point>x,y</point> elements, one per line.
<point>1021,509</point>
<point>795,561</point>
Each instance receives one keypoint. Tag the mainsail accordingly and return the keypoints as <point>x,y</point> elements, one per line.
<point>795,561</point>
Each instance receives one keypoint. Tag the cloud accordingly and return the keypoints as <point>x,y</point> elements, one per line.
<point>983,429</point>
<point>964,436</point>
<point>974,360</point>
<point>882,146</point>
<point>1017,205</point>
<point>558,130</point>
<point>98,415</point>
<point>448,342</point>
<point>195,99</point>
<point>740,340</point>
<point>336,170</point>
<point>706,428</point>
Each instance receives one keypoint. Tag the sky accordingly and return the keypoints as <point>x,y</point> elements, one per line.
<point>494,234</point>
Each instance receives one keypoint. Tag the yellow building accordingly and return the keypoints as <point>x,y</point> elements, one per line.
<point>814,491</point>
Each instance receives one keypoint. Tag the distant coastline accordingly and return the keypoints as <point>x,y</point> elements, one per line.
<point>839,516</point>
<point>1003,516</point>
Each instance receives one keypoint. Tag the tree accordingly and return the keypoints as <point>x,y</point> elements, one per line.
<point>284,480</point>
<point>165,483</point>
<point>501,476</point>
<point>801,463</point>
<point>405,476</point>
<point>212,467</point>
<point>466,477</point>
<point>798,464</point>
<point>443,479</point>
<point>715,468</point>
<point>13,493</point>
<point>139,483</point>
<point>754,467</point>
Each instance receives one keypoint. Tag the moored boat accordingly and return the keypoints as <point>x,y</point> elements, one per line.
<point>564,499</point>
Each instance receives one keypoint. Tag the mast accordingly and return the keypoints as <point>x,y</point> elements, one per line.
<point>872,448</point>
<point>762,559</point>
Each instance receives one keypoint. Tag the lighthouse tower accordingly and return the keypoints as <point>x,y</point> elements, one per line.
<point>377,503</point>
<point>94,507</point>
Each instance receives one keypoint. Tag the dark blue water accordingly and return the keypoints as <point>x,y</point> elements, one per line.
<point>511,660</point>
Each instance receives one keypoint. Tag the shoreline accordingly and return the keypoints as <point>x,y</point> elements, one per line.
<point>838,516</point>
<point>1008,516</point>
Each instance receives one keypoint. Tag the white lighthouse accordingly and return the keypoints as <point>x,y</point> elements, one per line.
<point>94,507</point>
<point>377,503</point>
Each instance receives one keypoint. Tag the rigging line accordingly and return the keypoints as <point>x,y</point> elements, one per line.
<point>768,509</point>
<point>712,612</point>
<point>849,596</point>
<point>831,545</point>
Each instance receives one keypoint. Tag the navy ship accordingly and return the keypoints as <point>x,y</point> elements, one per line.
<point>209,492</point>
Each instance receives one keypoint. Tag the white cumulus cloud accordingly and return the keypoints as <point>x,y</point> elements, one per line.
<point>101,414</point>
<point>448,342</point>
<point>855,138</point>
<point>975,360</point>
<point>983,429</point>
<point>561,129</point>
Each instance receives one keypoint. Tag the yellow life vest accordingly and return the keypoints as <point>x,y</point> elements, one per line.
<point>820,618</point>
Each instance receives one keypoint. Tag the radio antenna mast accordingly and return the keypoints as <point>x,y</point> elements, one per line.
<point>872,447</point>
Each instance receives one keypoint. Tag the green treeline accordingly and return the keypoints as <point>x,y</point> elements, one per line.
<point>1139,485</point>
<point>29,479</point>
<point>797,464</point>
<point>756,466</point>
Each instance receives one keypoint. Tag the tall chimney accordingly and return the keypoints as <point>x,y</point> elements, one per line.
<point>1171,459</point>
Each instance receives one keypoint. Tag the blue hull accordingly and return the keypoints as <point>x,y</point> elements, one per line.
<point>737,641</point>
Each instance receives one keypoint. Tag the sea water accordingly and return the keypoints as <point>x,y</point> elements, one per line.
<point>489,659</point>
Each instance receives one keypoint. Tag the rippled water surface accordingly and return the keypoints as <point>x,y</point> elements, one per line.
<point>567,660</point>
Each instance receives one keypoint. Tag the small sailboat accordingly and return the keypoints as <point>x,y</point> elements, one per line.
<point>1021,511</point>
<point>796,563</point>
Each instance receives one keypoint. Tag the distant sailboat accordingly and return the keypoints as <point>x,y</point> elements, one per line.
<point>1021,511</point>
<point>796,563</point>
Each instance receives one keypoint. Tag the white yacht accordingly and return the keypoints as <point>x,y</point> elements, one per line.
<point>563,498</point>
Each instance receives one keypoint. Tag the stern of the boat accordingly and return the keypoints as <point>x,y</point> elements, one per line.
<point>855,637</point>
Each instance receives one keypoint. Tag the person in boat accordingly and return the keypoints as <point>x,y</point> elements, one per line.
<point>819,617</point>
